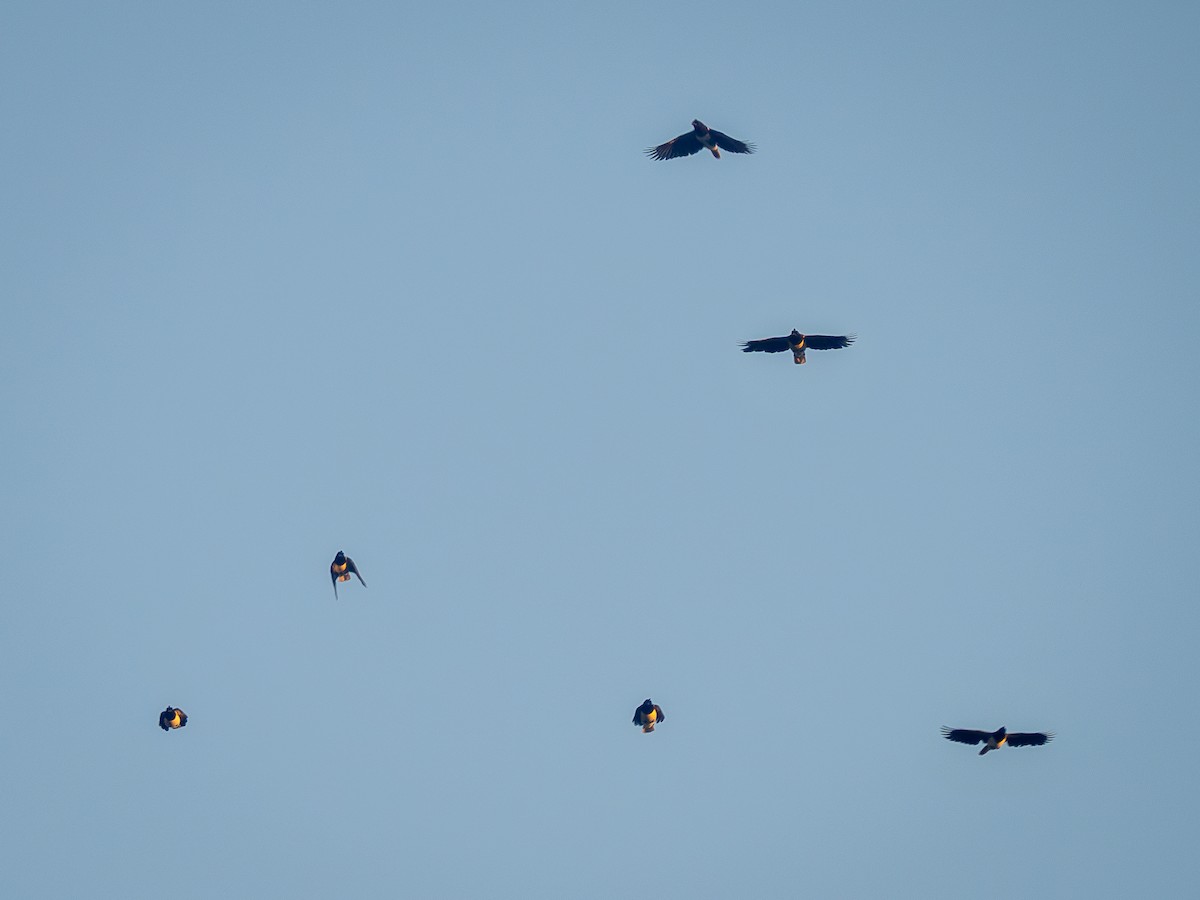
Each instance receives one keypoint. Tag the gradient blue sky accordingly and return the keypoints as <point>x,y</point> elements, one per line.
<point>284,278</point>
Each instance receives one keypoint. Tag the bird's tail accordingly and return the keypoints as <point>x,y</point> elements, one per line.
<point>647,728</point>
<point>800,359</point>
<point>985,749</point>
<point>715,152</point>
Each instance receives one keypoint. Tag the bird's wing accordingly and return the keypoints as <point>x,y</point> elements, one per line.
<point>964,735</point>
<point>1036,739</point>
<point>335,594</point>
<point>351,567</point>
<point>162,720</point>
<point>732,145</point>
<point>684,145</point>
<point>659,713</point>
<point>828,341</point>
<point>182,717</point>
<point>767,345</point>
<point>637,716</point>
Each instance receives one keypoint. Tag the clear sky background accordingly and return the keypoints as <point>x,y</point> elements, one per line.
<point>284,278</point>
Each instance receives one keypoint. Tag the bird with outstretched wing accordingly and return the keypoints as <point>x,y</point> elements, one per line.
<point>798,343</point>
<point>994,740</point>
<point>701,137</point>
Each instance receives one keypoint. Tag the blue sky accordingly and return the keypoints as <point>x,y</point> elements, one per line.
<point>398,279</point>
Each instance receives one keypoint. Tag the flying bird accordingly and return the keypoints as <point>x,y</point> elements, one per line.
<point>700,137</point>
<point>994,740</point>
<point>648,715</point>
<point>340,570</point>
<point>798,343</point>
<point>171,718</point>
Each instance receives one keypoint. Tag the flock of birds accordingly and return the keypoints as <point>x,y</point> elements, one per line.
<point>649,714</point>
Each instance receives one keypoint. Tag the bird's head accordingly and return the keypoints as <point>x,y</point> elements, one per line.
<point>795,335</point>
<point>340,558</point>
<point>1001,732</point>
<point>699,126</point>
<point>647,702</point>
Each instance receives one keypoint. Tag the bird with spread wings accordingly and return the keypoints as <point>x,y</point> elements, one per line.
<point>701,137</point>
<point>994,740</point>
<point>798,343</point>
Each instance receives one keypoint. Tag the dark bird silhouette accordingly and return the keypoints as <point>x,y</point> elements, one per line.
<point>648,715</point>
<point>798,343</point>
<point>171,718</point>
<point>994,740</point>
<point>340,570</point>
<point>699,138</point>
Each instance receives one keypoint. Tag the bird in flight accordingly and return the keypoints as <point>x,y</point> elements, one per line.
<point>340,570</point>
<point>648,715</point>
<point>798,343</point>
<point>994,740</point>
<point>700,137</point>
<point>171,718</point>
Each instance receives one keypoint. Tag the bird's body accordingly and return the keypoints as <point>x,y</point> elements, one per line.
<point>340,570</point>
<point>648,715</point>
<point>798,343</point>
<point>701,137</point>
<point>172,717</point>
<point>994,740</point>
